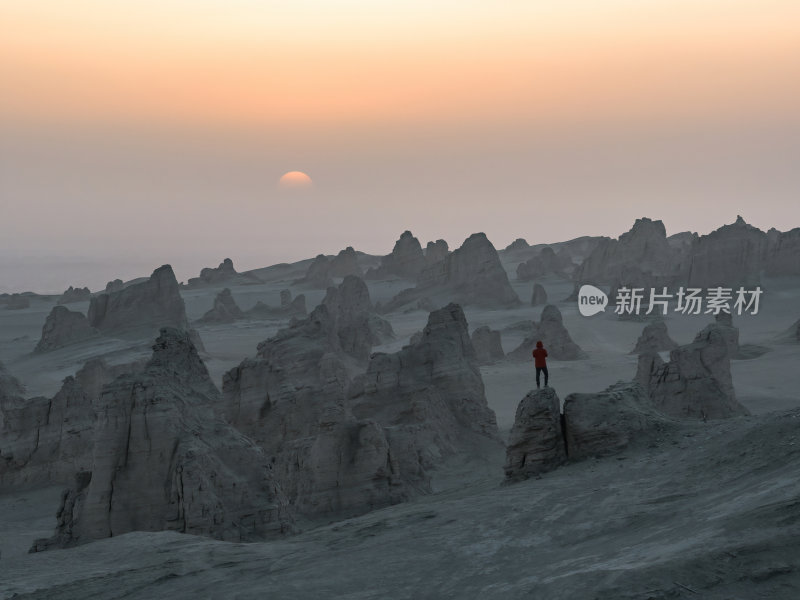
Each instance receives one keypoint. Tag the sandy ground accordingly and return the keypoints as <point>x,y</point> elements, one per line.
<point>708,511</point>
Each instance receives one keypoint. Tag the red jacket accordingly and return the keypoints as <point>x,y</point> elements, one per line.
<point>539,357</point>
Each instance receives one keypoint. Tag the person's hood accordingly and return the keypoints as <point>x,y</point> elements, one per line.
<point>539,345</point>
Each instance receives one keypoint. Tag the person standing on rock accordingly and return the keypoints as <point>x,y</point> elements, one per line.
<point>540,362</point>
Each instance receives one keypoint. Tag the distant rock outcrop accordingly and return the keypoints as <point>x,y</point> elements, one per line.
<point>72,294</point>
<point>551,331</point>
<point>539,295</point>
<point>147,306</point>
<point>225,309</point>
<point>654,338</point>
<point>288,308</point>
<point>488,345</point>
<point>63,327</point>
<point>405,261</point>
<point>470,275</point>
<point>545,262</point>
<point>211,276</point>
<point>318,273</point>
<point>517,244</point>
<point>435,252</point>
<point>345,263</point>
<point>114,286</point>
<point>731,256</point>
<point>536,442</point>
<point>162,461</point>
<point>783,257</point>
<point>603,423</point>
<point>17,302</point>
<point>696,382</point>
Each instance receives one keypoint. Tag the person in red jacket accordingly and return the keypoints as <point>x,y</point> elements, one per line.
<point>540,362</point>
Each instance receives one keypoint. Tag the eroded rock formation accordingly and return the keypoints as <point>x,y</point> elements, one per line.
<point>536,442</point>
<point>72,294</point>
<point>550,330</point>
<point>225,309</point>
<point>488,345</point>
<point>654,338</point>
<point>64,327</point>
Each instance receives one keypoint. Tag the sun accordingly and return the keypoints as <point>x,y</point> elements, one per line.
<point>295,180</point>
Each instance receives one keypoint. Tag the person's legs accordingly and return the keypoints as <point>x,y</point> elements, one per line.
<point>546,376</point>
<point>538,372</point>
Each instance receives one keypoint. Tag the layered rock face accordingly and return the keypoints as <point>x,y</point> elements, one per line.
<point>488,345</point>
<point>470,275</point>
<point>783,256</point>
<point>46,441</point>
<point>163,461</point>
<point>696,382</point>
<point>654,338</point>
<point>210,276</point>
<point>225,309</point>
<point>545,262</point>
<point>539,295</point>
<point>536,442</point>
<point>731,256</point>
<point>604,423</point>
<point>63,327</point>
<point>551,332</point>
<point>345,263</point>
<point>348,447</point>
<point>406,259</point>
<point>357,325</point>
<point>144,306</point>
<point>72,294</point>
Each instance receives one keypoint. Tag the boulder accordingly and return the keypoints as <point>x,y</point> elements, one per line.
<point>64,327</point>
<point>72,294</point>
<point>539,295</point>
<point>225,309</point>
<point>654,338</point>
<point>405,261</point>
<point>603,423</point>
<point>488,345</point>
<point>551,332</point>
<point>696,382</point>
<point>731,256</point>
<point>163,461</point>
<point>536,442</point>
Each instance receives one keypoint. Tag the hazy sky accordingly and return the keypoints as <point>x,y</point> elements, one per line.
<point>155,131</point>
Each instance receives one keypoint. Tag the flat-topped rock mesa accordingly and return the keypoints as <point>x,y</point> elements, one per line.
<point>783,255</point>
<point>730,256</point>
<point>17,302</point>
<point>406,260</point>
<point>488,345</point>
<point>470,275</point>
<point>428,396</point>
<point>46,441</point>
<point>536,441</point>
<point>64,327</point>
<point>592,425</point>
<point>550,330</point>
<point>72,294</point>
<point>654,338</point>
<point>538,295</point>
<point>357,325</point>
<point>696,382</point>
<point>163,461</point>
<point>225,309</point>
<point>289,307</point>
<point>546,262</point>
<point>148,305</point>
